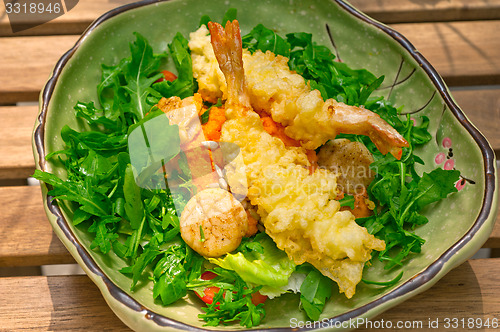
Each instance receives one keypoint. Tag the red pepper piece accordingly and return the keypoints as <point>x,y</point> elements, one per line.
<point>167,76</point>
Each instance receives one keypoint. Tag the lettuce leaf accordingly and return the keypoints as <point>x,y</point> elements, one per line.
<point>271,267</point>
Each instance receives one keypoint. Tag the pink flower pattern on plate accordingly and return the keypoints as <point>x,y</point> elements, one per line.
<point>440,158</point>
<point>449,162</point>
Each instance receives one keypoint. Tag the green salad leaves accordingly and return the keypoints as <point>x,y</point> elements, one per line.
<point>140,223</point>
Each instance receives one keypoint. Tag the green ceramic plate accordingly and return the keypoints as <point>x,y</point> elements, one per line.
<point>458,225</point>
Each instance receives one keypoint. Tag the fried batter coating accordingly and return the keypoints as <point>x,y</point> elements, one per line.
<point>284,94</point>
<point>298,209</point>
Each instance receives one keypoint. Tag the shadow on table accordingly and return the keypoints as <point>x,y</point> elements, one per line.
<point>436,308</point>
<point>79,306</point>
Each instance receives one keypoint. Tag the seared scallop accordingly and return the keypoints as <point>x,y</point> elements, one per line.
<point>351,161</point>
<point>213,222</point>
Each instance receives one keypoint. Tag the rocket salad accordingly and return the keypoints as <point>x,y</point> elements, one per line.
<point>141,225</point>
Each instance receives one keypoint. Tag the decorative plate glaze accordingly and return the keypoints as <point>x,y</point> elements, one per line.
<point>458,225</point>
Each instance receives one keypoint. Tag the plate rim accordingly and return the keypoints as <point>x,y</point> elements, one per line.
<point>417,283</point>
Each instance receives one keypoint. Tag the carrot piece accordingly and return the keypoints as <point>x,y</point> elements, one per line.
<point>361,204</point>
<point>212,128</point>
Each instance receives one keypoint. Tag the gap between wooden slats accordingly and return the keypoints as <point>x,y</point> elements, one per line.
<point>464,53</point>
<point>74,302</point>
<point>398,11</point>
<point>387,11</point>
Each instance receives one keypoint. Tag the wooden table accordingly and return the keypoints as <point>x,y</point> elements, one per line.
<point>459,37</point>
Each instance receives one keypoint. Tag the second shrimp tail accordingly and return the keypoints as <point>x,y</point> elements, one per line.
<point>227,46</point>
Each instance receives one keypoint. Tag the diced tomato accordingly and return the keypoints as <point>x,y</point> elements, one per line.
<point>258,298</point>
<point>167,76</point>
<point>209,292</point>
<point>208,275</point>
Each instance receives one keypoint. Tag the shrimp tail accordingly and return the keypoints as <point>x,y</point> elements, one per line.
<point>387,139</point>
<point>356,120</point>
<point>227,47</point>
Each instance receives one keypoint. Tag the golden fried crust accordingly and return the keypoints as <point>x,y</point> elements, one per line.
<point>298,209</point>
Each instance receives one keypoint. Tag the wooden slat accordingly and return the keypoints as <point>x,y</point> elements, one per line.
<point>396,11</point>
<point>387,11</point>
<point>450,47</point>
<point>69,303</point>
<point>73,22</point>
<point>494,239</point>
<point>463,53</point>
<point>74,303</point>
<point>27,238</point>
<point>482,106</point>
<point>16,126</point>
<point>27,63</point>
<point>469,291</point>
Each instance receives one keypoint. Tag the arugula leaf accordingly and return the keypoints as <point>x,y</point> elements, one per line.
<point>233,301</point>
<point>80,216</point>
<point>133,200</point>
<point>110,94</point>
<point>384,283</point>
<point>97,141</point>
<point>149,254</point>
<point>95,166</point>
<point>185,84</point>
<point>229,15</point>
<point>104,235</point>
<point>170,276</point>
<point>436,185</point>
<point>140,74</point>
<point>91,201</point>
<point>250,244</point>
<point>96,117</point>
<point>264,39</point>
<point>206,115</point>
<point>347,200</point>
<point>315,290</point>
<point>204,20</point>
<point>420,134</point>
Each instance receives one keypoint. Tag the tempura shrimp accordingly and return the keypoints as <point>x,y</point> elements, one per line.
<point>297,208</point>
<point>273,88</point>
